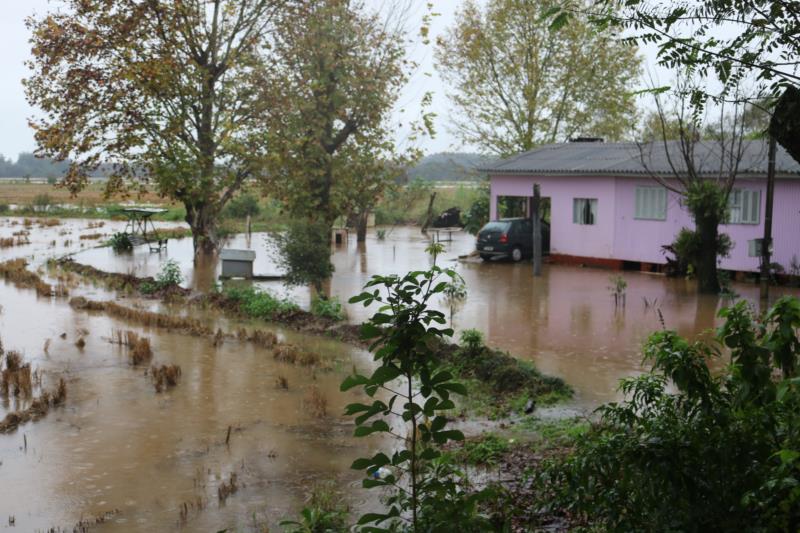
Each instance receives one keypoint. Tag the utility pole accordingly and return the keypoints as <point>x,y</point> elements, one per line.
<point>537,231</point>
<point>766,242</point>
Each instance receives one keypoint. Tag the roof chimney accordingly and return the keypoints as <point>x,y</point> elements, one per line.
<point>587,140</point>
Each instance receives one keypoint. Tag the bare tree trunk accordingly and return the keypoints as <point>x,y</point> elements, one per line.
<point>429,214</point>
<point>706,268</point>
<point>361,226</point>
<point>201,218</point>
<point>537,231</point>
<point>767,241</point>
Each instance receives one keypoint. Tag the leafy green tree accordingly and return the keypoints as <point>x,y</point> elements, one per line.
<point>166,91</point>
<point>722,39</point>
<point>337,71</point>
<point>704,187</point>
<point>304,254</point>
<point>478,213</point>
<point>411,392</point>
<point>694,450</point>
<point>517,83</point>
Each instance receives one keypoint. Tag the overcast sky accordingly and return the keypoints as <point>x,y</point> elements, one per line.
<point>16,136</point>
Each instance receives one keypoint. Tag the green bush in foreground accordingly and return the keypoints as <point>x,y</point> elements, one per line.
<point>426,493</point>
<point>722,453</point>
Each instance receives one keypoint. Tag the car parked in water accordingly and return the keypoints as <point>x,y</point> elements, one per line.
<point>511,238</point>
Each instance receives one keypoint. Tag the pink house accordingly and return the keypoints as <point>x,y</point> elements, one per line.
<point>607,208</point>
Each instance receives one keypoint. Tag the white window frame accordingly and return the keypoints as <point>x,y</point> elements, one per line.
<point>584,211</point>
<point>744,206</point>
<point>650,203</point>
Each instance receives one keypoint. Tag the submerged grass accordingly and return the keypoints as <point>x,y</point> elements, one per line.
<point>16,272</point>
<point>315,402</point>
<point>146,318</point>
<point>17,380</point>
<point>39,408</point>
<point>165,376</point>
<point>139,350</point>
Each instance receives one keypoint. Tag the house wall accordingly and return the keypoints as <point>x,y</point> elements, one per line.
<point>567,238</point>
<point>618,235</point>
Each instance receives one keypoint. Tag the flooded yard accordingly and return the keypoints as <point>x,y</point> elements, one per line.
<point>137,460</point>
<point>566,321</point>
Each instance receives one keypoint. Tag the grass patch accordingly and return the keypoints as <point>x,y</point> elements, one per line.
<point>498,383</point>
<point>260,304</point>
<point>484,450</point>
<point>328,308</point>
<point>550,434</point>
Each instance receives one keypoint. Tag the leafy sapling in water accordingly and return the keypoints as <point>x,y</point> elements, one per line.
<point>617,288</point>
<point>455,293</point>
<point>411,391</point>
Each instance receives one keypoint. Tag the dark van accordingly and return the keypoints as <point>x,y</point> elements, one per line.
<point>511,238</point>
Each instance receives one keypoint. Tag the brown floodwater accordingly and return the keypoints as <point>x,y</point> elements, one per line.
<point>118,446</point>
<point>566,321</point>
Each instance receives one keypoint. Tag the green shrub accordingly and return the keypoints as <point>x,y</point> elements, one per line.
<point>328,308</point>
<point>169,276</point>
<point>478,213</point>
<point>4,208</point>
<point>472,340</point>
<point>692,450</point>
<point>304,253</point>
<point>120,242</point>
<point>403,336</point>
<point>256,303</point>
<point>242,206</point>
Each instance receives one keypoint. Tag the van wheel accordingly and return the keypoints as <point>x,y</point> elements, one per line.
<point>486,257</point>
<point>516,254</point>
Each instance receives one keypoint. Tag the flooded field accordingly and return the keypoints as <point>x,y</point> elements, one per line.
<point>143,461</point>
<point>566,321</point>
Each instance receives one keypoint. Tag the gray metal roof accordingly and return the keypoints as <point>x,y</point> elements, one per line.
<point>600,158</point>
<point>230,254</point>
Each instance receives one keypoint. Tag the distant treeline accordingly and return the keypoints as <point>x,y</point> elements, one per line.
<point>449,167</point>
<point>28,165</point>
<point>439,167</point>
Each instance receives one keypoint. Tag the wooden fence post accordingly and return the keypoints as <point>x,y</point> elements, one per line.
<point>537,231</point>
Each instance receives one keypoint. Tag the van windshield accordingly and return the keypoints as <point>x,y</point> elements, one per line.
<point>496,226</point>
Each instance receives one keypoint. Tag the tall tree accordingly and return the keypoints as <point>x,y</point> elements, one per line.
<point>704,160</point>
<point>518,83</point>
<point>723,39</point>
<point>336,72</point>
<point>165,90</point>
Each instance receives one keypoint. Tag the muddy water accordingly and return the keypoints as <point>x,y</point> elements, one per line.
<point>120,450</point>
<point>118,446</point>
<point>566,321</point>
